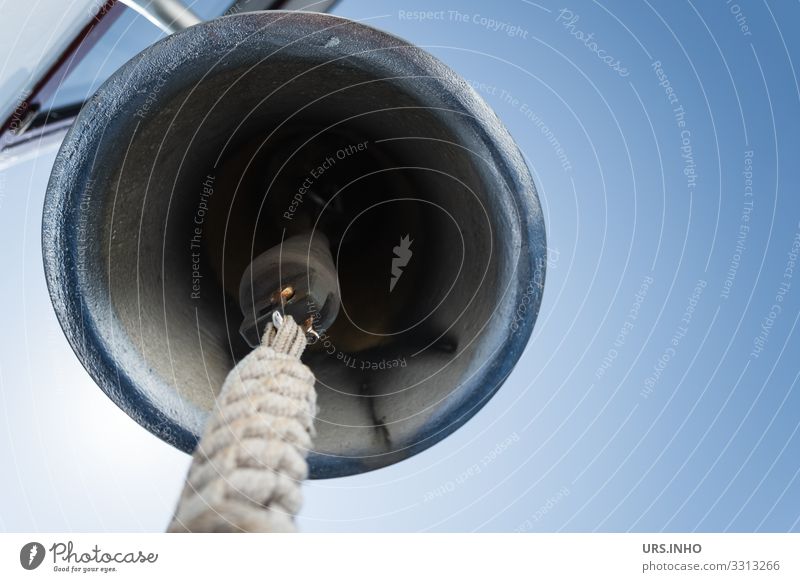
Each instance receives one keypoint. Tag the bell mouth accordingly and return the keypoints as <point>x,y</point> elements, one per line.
<point>233,136</point>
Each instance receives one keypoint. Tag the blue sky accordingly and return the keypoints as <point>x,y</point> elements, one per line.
<point>659,390</point>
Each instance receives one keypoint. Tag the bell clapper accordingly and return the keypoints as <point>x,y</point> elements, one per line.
<point>296,277</point>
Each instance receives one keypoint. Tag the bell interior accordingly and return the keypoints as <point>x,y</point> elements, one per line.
<point>228,162</point>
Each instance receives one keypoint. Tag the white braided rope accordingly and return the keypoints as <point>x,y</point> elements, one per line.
<point>247,469</point>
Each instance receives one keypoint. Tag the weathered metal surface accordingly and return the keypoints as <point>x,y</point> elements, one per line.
<point>184,166</point>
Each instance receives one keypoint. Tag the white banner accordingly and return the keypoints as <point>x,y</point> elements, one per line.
<point>389,557</point>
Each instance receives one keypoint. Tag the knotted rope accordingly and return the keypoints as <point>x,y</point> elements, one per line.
<point>247,469</point>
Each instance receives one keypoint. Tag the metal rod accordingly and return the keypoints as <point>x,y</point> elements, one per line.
<point>169,15</point>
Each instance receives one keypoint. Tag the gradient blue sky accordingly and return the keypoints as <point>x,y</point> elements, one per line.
<point>707,440</point>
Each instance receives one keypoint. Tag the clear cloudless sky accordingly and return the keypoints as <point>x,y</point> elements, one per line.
<point>659,390</point>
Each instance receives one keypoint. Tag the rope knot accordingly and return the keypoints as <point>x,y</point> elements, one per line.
<point>246,471</point>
